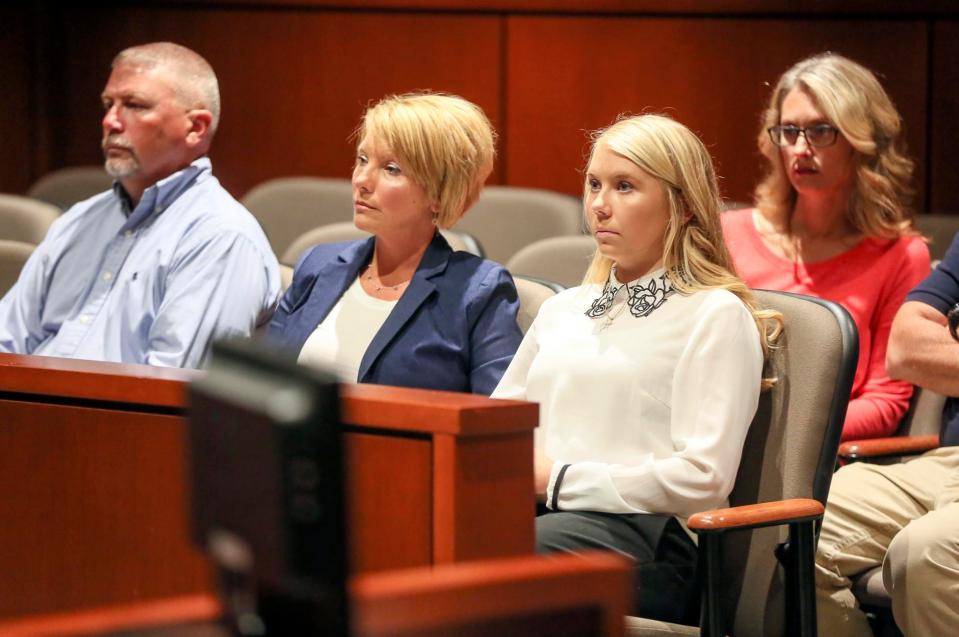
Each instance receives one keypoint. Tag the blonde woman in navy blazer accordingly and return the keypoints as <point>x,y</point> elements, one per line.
<point>402,308</point>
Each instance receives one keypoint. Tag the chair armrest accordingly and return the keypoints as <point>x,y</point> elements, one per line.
<point>751,516</point>
<point>892,446</point>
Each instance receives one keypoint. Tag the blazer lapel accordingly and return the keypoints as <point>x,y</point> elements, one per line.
<point>434,262</point>
<point>332,281</point>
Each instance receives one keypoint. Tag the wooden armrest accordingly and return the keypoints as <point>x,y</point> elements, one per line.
<point>448,599</point>
<point>892,446</point>
<point>756,515</point>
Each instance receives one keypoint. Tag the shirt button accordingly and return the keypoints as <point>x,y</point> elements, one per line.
<point>128,234</point>
<point>107,276</point>
<point>85,319</point>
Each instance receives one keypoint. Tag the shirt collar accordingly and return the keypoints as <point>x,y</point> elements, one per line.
<point>160,195</point>
<point>641,281</point>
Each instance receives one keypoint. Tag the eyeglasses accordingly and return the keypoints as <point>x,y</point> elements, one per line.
<point>816,136</point>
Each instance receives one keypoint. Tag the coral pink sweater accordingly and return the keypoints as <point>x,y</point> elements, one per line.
<point>870,280</point>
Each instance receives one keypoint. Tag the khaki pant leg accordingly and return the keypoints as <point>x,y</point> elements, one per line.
<point>921,570</point>
<point>867,506</point>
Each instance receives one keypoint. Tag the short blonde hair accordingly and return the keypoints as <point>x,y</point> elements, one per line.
<point>446,143</point>
<point>854,101</point>
<point>694,254</point>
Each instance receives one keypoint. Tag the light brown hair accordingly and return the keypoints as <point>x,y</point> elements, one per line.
<point>854,101</point>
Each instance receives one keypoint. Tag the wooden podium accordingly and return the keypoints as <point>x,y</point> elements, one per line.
<point>93,497</point>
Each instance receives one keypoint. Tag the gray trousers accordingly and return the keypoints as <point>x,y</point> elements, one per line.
<point>664,556</point>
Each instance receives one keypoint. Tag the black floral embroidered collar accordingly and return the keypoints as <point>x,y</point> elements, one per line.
<point>643,297</point>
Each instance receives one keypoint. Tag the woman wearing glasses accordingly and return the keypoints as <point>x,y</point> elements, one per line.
<point>832,217</point>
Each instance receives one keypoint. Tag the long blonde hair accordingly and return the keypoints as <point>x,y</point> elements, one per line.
<point>854,102</point>
<point>694,254</point>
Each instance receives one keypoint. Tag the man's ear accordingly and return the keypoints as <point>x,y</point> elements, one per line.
<point>199,131</point>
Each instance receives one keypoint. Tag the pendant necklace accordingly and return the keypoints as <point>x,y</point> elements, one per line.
<point>603,306</point>
<point>379,287</point>
<point>642,300</point>
<point>611,316</point>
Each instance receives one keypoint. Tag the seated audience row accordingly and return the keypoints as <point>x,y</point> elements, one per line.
<point>647,375</point>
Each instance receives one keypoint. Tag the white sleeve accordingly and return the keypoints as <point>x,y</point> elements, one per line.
<point>715,392</point>
<point>512,385</point>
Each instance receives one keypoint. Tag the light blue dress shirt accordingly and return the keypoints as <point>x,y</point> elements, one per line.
<point>154,285</point>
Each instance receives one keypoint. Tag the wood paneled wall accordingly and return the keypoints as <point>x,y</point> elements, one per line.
<point>18,138</point>
<point>296,76</point>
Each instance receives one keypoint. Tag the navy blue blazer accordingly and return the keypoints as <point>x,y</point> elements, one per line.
<point>454,328</point>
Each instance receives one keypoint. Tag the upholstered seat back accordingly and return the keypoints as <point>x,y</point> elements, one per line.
<point>290,206</point>
<point>25,219</point>
<point>507,218</point>
<point>13,254</point>
<point>560,259</point>
<point>532,293</point>
<point>790,452</point>
<point>67,186</point>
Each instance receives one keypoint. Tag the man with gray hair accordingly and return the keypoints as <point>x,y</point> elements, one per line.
<point>155,269</point>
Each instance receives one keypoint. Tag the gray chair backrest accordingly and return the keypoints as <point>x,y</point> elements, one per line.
<point>290,206</point>
<point>286,276</point>
<point>25,219</point>
<point>924,417</point>
<point>532,293</point>
<point>329,233</point>
<point>790,450</point>
<point>507,218</point>
<point>940,228</point>
<point>346,231</point>
<point>13,254</point>
<point>67,186</point>
<point>560,259</point>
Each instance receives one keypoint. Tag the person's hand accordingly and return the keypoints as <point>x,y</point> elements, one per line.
<point>542,468</point>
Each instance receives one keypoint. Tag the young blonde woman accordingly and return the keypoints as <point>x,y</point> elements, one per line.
<point>832,217</point>
<point>649,373</point>
<point>402,308</point>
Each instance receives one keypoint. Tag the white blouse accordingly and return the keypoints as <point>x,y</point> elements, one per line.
<point>649,412</point>
<point>340,341</point>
